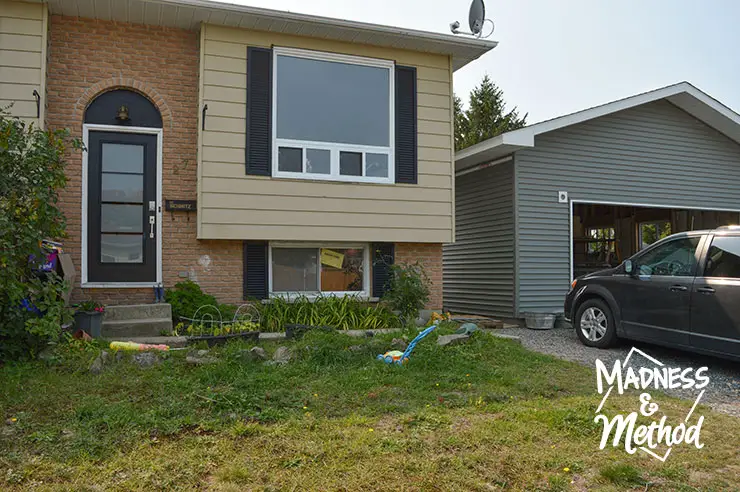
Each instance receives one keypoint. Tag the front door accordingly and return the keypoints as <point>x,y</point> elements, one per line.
<point>656,302</point>
<point>122,208</point>
<point>715,303</point>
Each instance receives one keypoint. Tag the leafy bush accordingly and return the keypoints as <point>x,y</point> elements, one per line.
<point>344,313</point>
<point>32,309</point>
<point>185,298</point>
<point>408,290</point>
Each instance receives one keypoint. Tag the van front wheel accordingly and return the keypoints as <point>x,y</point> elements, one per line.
<point>595,325</point>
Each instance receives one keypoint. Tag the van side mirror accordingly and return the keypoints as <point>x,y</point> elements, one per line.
<point>629,267</point>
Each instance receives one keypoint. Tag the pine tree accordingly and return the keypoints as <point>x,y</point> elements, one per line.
<point>485,117</point>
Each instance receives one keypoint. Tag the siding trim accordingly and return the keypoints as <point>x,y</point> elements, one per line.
<point>516,236</point>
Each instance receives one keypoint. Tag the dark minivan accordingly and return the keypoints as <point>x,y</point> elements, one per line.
<point>683,292</point>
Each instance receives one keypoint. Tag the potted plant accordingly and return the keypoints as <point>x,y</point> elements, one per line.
<point>89,317</point>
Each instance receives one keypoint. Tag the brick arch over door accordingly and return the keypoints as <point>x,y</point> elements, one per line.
<point>129,84</point>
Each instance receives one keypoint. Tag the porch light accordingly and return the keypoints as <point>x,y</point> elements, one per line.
<point>122,114</point>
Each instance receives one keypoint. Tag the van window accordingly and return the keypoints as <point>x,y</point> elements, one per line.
<point>724,257</point>
<point>676,258</point>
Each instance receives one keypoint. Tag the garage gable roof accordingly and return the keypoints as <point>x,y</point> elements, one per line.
<point>683,95</point>
<point>188,14</point>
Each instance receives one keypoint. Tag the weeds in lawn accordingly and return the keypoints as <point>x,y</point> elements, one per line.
<point>468,417</point>
<point>622,474</point>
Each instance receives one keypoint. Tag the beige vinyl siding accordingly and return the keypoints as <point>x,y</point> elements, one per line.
<point>23,28</point>
<point>233,205</point>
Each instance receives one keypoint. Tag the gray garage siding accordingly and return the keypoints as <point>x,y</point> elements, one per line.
<point>479,266</point>
<point>655,154</point>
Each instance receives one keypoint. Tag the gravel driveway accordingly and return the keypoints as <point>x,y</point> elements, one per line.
<point>722,393</point>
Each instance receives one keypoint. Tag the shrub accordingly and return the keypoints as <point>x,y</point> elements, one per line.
<point>343,313</point>
<point>32,308</point>
<point>185,298</point>
<point>408,290</point>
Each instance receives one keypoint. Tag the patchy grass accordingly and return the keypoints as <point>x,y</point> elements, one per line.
<point>486,415</point>
<point>622,474</point>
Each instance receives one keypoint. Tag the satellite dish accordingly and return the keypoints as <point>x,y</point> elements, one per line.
<point>477,16</point>
<point>476,21</point>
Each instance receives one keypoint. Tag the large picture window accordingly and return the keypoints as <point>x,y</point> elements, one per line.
<point>299,269</point>
<point>333,116</point>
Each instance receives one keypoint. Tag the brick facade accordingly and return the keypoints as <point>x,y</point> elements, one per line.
<point>429,255</point>
<point>87,57</point>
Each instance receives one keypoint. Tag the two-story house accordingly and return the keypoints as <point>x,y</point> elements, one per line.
<point>257,152</point>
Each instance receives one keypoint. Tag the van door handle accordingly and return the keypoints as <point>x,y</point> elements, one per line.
<point>679,288</point>
<point>706,290</point>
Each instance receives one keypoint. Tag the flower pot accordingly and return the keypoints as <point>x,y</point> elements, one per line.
<point>91,322</point>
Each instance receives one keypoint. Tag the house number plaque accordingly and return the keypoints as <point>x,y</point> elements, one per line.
<point>180,205</point>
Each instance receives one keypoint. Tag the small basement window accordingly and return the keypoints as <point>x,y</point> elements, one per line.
<point>650,232</point>
<point>300,269</point>
<point>333,117</point>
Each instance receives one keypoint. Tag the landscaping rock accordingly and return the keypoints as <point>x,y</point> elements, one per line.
<point>355,348</point>
<point>200,358</point>
<point>146,359</point>
<point>399,344</point>
<point>253,354</point>
<point>282,355</point>
<point>120,355</point>
<point>455,339</point>
<point>369,333</point>
<point>97,366</point>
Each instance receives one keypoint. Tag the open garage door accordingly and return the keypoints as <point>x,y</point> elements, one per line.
<point>603,235</point>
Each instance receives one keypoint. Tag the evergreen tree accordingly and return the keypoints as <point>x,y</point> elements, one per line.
<point>485,117</point>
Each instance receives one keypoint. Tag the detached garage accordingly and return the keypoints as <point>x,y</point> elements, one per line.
<point>539,206</point>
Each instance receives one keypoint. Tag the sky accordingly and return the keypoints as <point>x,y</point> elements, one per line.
<point>559,56</point>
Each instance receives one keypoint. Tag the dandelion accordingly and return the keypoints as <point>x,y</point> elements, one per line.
<point>371,430</point>
<point>566,469</point>
<point>553,446</point>
<point>437,384</point>
<point>305,408</point>
<point>14,419</point>
<point>467,375</point>
<point>315,395</point>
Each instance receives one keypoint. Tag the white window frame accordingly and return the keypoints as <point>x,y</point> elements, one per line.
<point>364,294</point>
<point>334,148</point>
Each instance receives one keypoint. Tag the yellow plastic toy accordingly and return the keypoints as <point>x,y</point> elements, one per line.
<point>139,347</point>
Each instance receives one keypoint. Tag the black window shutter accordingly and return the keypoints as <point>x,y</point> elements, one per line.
<point>406,138</point>
<point>259,111</point>
<point>383,258</point>
<point>255,270</point>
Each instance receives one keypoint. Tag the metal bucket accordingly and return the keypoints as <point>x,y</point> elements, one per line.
<point>539,321</point>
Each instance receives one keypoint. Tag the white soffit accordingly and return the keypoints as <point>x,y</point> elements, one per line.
<point>683,95</point>
<point>188,14</point>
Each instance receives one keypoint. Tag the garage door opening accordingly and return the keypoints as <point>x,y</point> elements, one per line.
<point>604,235</point>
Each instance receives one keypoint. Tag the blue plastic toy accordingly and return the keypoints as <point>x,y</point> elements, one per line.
<point>397,357</point>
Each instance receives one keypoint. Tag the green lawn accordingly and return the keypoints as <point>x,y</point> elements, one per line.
<point>486,415</point>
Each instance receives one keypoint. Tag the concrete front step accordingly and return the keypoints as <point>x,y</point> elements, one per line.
<point>146,327</point>
<point>138,311</point>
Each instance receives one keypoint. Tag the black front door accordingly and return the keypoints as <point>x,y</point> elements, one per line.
<point>656,303</point>
<point>715,303</point>
<point>122,207</point>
